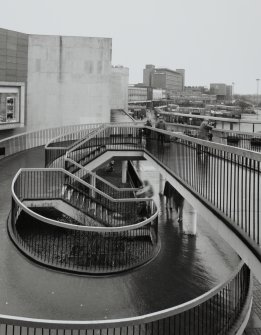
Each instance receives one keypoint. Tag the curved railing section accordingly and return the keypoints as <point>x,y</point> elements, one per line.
<point>29,140</point>
<point>219,311</point>
<point>61,221</point>
<point>111,138</point>
<point>56,149</point>
<point>227,179</point>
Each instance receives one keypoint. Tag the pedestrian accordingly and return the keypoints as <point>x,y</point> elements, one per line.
<point>204,133</point>
<point>147,132</point>
<point>146,191</point>
<point>162,126</point>
<point>174,200</point>
<point>204,129</point>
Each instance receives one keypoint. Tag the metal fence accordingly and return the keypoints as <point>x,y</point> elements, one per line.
<point>218,312</point>
<point>227,178</point>
<point>244,140</point>
<point>29,140</point>
<point>62,221</point>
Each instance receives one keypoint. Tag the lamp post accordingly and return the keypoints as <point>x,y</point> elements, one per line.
<point>257,91</point>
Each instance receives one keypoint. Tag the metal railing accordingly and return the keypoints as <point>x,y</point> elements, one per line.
<point>244,140</point>
<point>116,137</point>
<point>217,312</point>
<point>102,184</point>
<point>29,140</point>
<point>229,170</point>
<point>95,234</point>
<point>226,178</point>
<point>56,149</point>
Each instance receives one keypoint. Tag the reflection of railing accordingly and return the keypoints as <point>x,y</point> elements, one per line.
<point>95,234</point>
<point>218,311</point>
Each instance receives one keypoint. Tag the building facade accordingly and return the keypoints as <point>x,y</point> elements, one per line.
<point>119,88</point>
<point>222,91</point>
<point>51,81</point>
<point>163,78</point>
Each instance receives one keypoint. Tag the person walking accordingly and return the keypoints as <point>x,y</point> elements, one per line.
<point>162,126</point>
<point>204,133</point>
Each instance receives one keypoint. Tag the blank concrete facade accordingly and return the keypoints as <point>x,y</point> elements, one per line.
<point>119,88</point>
<point>67,80</point>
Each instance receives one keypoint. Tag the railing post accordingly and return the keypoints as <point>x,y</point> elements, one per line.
<point>93,183</point>
<point>161,184</point>
<point>124,172</point>
<point>189,219</point>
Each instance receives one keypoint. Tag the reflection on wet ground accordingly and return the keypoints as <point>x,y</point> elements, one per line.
<point>186,267</point>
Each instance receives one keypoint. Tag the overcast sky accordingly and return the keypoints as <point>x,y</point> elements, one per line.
<point>213,40</point>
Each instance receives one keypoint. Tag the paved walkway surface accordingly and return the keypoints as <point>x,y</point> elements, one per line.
<point>254,324</point>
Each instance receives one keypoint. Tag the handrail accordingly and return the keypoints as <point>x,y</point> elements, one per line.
<point>119,189</point>
<point>71,133</point>
<point>71,324</point>
<point>226,131</point>
<point>78,227</point>
<point>219,146</point>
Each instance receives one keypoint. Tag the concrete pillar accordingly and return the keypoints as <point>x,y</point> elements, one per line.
<point>93,183</point>
<point>124,172</point>
<point>161,184</point>
<point>189,219</point>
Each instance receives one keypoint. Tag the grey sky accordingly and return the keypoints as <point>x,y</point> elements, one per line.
<point>214,40</point>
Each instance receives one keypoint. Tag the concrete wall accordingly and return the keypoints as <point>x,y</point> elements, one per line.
<point>13,56</point>
<point>119,88</point>
<point>68,81</point>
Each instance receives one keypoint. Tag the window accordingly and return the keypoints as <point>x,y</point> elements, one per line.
<point>9,107</point>
<point>12,97</point>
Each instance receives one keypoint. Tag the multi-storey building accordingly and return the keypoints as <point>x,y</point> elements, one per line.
<point>163,78</point>
<point>222,91</point>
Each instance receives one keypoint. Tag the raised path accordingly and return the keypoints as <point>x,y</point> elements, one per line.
<point>185,268</point>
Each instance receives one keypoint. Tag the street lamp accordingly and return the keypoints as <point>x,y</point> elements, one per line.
<point>257,89</point>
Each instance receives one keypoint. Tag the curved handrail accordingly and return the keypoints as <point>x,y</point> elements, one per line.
<point>42,323</point>
<point>93,127</point>
<point>78,227</point>
<point>119,189</point>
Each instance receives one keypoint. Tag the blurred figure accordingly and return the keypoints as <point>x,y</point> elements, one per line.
<point>174,200</point>
<point>204,129</point>
<point>146,191</point>
<point>162,126</point>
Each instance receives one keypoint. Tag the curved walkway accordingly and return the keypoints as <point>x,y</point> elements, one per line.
<point>185,268</point>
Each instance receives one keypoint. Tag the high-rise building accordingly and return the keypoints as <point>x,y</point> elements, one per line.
<point>167,79</point>
<point>147,74</point>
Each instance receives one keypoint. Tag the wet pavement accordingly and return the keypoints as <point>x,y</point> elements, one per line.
<point>186,267</point>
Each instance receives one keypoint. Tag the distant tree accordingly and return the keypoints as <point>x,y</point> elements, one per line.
<point>243,105</point>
